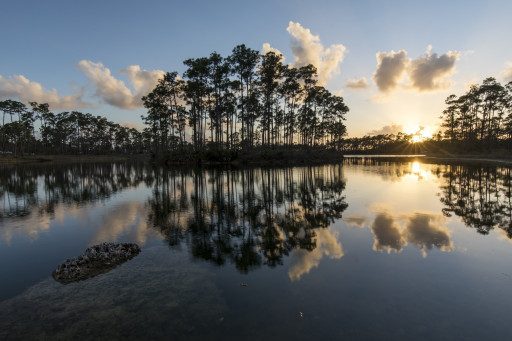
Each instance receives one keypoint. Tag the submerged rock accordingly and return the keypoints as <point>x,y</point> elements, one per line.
<point>95,260</point>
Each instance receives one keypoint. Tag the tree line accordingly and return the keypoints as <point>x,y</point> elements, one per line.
<point>400,143</point>
<point>242,101</point>
<point>238,102</point>
<point>63,133</point>
<point>481,116</point>
<point>479,120</point>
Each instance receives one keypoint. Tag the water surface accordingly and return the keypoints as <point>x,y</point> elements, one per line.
<point>367,249</point>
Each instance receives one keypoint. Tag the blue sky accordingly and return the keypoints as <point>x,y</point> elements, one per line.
<point>64,50</point>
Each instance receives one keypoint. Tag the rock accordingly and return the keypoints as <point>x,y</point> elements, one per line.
<point>95,260</point>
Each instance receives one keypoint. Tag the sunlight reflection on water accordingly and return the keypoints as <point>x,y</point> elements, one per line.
<point>367,249</point>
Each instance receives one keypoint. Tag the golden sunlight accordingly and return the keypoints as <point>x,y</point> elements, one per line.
<point>419,133</point>
<point>416,167</point>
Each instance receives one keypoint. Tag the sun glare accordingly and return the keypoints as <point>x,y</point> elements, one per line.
<point>416,167</point>
<point>419,133</point>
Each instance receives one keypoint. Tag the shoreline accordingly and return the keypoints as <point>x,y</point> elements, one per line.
<point>46,159</point>
<point>253,160</point>
<point>505,159</point>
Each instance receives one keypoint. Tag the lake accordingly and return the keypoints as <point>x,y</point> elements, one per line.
<point>367,249</point>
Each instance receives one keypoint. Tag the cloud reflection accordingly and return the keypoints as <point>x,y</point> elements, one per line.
<point>127,220</point>
<point>31,226</point>
<point>426,231</point>
<point>303,260</point>
<point>388,235</point>
<point>355,220</point>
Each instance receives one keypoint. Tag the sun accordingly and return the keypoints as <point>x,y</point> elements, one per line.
<point>419,133</point>
<point>416,139</point>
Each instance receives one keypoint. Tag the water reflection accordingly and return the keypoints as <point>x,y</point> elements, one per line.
<point>31,197</point>
<point>302,260</point>
<point>250,217</point>
<point>424,230</point>
<point>23,188</point>
<point>129,218</point>
<point>247,217</point>
<point>387,233</point>
<point>480,196</point>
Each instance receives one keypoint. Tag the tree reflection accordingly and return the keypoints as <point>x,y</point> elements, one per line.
<point>251,217</point>
<point>25,188</point>
<point>479,195</point>
<point>248,217</point>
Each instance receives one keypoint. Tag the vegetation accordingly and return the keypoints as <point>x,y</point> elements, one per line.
<point>482,116</point>
<point>241,102</point>
<point>63,133</point>
<point>479,121</point>
<point>219,106</point>
<point>254,106</point>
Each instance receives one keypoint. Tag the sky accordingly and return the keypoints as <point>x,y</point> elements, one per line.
<point>393,62</point>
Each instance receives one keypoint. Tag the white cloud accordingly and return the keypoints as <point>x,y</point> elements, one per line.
<point>389,129</point>
<point>131,125</point>
<point>357,84</point>
<point>506,74</point>
<point>21,88</point>
<point>267,48</point>
<point>430,71</point>
<point>307,49</point>
<point>390,69</point>
<point>426,73</point>
<point>114,91</point>
<point>143,81</point>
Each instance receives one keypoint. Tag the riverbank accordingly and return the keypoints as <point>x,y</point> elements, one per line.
<point>490,158</point>
<point>259,158</point>
<point>272,157</point>
<point>471,158</point>
<point>30,159</point>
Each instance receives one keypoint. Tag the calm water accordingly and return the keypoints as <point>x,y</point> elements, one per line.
<point>367,249</point>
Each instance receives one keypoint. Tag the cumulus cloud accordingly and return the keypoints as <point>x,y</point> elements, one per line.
<point>426,73</point>
<point>303,260</point>
<point>267,48</point>
<point>357,84</point>
<point>506,74</point>
<point>307,49</point>
<point>21,88</point>
<point>429,72</point>
<point>390,69</point>
<point>143,81</point>
<point>389,129</point>
<point>114,91</point>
